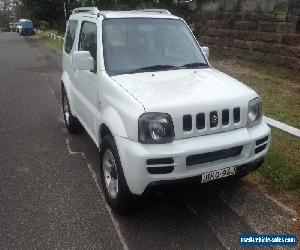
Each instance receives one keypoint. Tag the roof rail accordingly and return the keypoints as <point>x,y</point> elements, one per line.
<point>92,10</point>
<point>162,11</point>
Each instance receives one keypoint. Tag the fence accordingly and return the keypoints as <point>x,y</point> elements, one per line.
<point>51,35</point>
<point>282,126</point>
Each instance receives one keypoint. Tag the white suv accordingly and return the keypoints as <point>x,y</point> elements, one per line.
<point>143,89</point>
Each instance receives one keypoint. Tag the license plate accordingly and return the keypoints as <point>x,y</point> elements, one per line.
<point>217,174</point>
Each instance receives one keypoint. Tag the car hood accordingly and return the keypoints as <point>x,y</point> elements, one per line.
<point>165,90</point>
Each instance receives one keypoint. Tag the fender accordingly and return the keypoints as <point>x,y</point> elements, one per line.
<point>113,121</point>
<point>66,82</point>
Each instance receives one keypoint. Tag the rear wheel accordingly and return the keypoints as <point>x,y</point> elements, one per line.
<point>72,124</point>
<point>114,184</point>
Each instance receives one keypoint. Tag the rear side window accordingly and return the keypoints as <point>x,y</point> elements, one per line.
<point>70,35</point>
<point>88,39</point>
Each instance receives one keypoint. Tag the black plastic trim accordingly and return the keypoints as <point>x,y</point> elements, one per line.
<point>262,140</point>
<point>260,148</point>
<point>160,161</point>
<point>213,156</point>
<point>160,170</point>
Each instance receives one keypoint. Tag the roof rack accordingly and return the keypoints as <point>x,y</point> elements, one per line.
<point>92,10</point>
<point>162,11</point>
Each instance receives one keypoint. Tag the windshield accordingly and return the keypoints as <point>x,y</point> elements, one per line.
<point>26,24</point>
<point>134,45</point>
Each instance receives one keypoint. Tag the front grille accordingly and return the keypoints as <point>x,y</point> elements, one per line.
<point>213,119</point>
<point>225,117</point>
<point>236,115</point>
<point>200,121</point>
<point>213,156</point>
<point>187,123</point>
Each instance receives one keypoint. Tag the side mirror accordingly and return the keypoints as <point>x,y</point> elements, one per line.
<point>205,50</point>
<point>82,60</point>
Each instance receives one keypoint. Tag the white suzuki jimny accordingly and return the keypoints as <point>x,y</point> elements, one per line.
<point>143,89</point>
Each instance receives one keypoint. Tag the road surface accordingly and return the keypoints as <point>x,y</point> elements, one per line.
<point>50,195</point>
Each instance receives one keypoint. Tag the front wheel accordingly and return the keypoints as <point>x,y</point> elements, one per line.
<point>72,124</point>
<point>114,184</point>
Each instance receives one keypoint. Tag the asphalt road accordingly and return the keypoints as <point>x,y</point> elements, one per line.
<point>50,195</point>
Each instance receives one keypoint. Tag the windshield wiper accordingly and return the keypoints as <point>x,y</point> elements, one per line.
<point>194,65</point>
<point>167,67</point>
<point>154,67</point>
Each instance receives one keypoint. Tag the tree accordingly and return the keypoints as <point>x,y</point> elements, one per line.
<point>52,11</point>
<point>5,13</point>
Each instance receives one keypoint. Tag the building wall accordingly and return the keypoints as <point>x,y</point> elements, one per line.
<point>262,29</point>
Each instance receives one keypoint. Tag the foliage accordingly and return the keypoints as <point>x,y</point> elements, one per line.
<point>44,26</point>
<point>53,12</point>
<point>5,15</point>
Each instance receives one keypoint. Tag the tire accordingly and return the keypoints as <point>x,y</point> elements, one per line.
<point>71,122</point>
<point>119,197</point>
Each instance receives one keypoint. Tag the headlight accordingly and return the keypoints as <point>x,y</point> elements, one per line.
<point>156,128</point>
<point>254,112</point>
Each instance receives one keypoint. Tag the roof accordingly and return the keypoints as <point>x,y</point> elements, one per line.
<point>24,20</point>
<point>131,14</point>
<point>147,13</point>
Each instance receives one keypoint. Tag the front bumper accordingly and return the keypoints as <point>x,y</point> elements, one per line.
<point>134,155</point>
<point>241,171</point>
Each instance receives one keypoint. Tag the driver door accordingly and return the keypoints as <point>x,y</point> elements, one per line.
<point>86,80</point>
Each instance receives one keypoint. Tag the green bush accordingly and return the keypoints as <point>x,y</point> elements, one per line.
<point>44,26</point>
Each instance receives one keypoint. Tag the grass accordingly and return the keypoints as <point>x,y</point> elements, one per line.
<point>50,41</point>
<point>282,166</point>
<point>280,174</point>
<point>279,88</point>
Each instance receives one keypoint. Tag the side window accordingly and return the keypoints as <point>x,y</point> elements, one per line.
<point>88,39</point>
<point>70,36</point>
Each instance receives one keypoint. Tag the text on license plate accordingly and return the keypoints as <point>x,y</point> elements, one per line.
<point>217,174</point>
